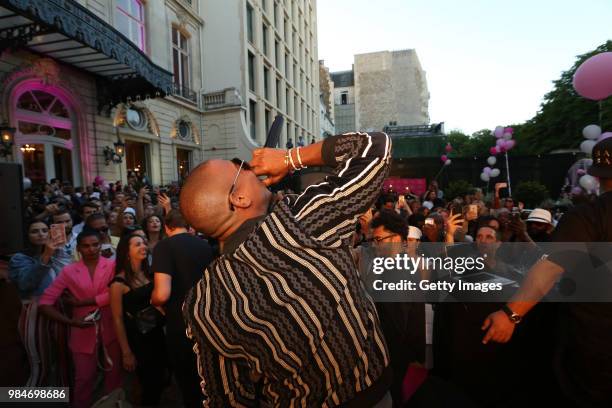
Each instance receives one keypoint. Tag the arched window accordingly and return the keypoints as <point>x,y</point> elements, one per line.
<point>45,126</point>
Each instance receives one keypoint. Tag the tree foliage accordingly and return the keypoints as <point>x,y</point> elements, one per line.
<point>531,193</point>
<point>457,188</point>
<point>477,144</point>
<point>563,114</point>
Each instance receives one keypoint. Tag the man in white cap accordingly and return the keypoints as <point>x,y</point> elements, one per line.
<point>539,225</point>
<point>414,234</point>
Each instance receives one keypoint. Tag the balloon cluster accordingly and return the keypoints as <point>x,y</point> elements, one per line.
<point>502,145</point>
<point>504,141</point>
<point>444,158</point>
<point>592,134</point>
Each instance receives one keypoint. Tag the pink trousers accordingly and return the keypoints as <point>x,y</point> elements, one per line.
<point>86,370</point>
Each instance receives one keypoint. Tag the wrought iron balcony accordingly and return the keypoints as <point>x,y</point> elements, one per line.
<point>185,93</point>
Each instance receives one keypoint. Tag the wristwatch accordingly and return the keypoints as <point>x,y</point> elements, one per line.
<point>514,317</point>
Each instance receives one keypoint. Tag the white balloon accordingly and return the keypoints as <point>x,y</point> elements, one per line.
<point>484,177</point>
<point>492,160</point>
<point>27,183</point>
<point>588,182</point>
<point>587,146</point>
<point>495,173</point>
<point>507,136</point>
<point>447,162</point>
<point>591,132</point>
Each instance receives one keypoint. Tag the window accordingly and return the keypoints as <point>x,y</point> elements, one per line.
<point>184,130</point>
<point>268,118</point>
<point>135,118</point>
<point>278,93</point>
<point>264,39</point>
<point>183,164</point>
<point>344,98</point>
<point>287,102</point>
<point>250,23</point>
<point>129,21</point>
<point>266,83</point>
<point>287,65</point>
<point>136,157</point>
<point>253,118</point>
<point>180,60</point>
<point>251,72</point>
<point>277,55</point>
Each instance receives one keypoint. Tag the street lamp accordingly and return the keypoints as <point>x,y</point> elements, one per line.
<point>116,155</point>
<point>7,135</point>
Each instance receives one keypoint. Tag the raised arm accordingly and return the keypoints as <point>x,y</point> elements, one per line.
<point>330,209</point>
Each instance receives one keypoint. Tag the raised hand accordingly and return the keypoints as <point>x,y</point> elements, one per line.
<point>272,163</point>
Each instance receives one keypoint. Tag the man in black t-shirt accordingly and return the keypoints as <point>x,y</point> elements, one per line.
<point>178,263</point>
<point>584,351</point>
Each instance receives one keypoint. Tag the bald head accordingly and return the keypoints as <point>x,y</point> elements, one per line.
<point>205,199</point>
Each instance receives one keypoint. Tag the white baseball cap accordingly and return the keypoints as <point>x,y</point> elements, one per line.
<point>130,210</point>
<point>414,232</point>
<point>540,215</point>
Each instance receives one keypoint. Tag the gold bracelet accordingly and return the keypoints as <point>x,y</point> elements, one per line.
<point>300,159</point>
<point>291,160</point>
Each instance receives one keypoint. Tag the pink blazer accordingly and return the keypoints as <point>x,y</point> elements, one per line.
<point>76,279</point>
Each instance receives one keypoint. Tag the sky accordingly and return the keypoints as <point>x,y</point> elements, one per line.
<point>488,62</point>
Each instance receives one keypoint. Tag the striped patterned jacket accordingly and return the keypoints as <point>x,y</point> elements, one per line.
<point>283,320</point>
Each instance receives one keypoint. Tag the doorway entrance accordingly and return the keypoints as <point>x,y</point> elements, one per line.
<point>45,127</point>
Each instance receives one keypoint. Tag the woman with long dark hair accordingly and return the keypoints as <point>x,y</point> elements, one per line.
<point>154,228</point>
<point>138,325</point>
<point>45,341</point>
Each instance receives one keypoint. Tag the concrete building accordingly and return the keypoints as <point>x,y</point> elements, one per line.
<point>265,65</point>
<point>384,88</point>
<point>168,83</point>
<point>344,101</point>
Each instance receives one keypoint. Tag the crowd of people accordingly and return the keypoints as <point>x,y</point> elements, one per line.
<point>255,297</point>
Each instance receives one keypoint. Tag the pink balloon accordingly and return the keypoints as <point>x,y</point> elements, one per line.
<point>98,181</point>
<point>509,144</point>
<point>593,79</point>
<point>509,130</point>
<point>500,142</point>
<point>581,172</point>
<point>448,148</point>
<point>443,158</point>
<point>502,150</point>
<point>493,150</point>
<point>604,136</point>
<point>498,132</point>
<point>487,170</point>
<point>576,190</point>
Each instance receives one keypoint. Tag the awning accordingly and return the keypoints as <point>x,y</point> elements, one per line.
<point>68,32</point>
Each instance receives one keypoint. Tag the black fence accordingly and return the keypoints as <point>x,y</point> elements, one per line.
<point>550,170</point>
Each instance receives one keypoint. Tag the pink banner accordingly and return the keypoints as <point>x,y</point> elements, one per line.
<point>417,185</point>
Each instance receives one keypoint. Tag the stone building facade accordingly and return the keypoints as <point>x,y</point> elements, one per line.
<point>384,88</point>
<point>266,65</point>
<point>176,81</point>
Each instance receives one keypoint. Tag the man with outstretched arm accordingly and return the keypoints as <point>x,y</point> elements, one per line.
<point>280,318</point>
<point>584,356</point>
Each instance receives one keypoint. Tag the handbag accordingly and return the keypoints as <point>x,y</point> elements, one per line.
<point>147,319</point>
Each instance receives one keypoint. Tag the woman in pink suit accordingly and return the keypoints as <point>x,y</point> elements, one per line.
<point>87,282</point>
